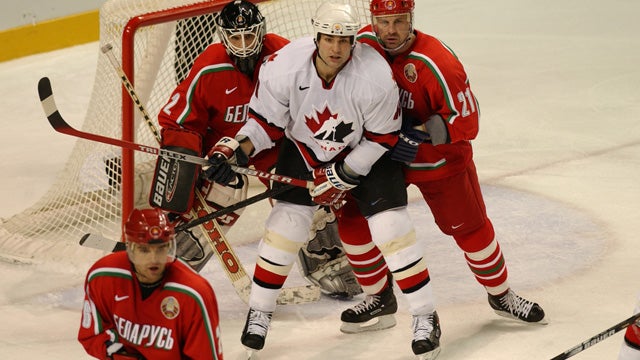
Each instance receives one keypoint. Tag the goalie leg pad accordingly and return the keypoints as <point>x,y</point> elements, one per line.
<point>323,261</point>
<point>191,246</point>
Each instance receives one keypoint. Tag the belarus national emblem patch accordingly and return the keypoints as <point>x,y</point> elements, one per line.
<point>170,307</point>
<point>410,73</point>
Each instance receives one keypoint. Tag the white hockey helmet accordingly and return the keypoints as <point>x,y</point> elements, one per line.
<point>335,19</point>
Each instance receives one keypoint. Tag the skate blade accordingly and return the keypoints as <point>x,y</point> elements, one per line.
<point>544,321</point>
<point>379,323</point>
<point>251,354</point>
<point>431,355</point>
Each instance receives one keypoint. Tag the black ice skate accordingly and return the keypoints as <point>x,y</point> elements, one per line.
<point>375,312</point>
<point>255,329</point>
<point>426,336</point>
<point>513,306</point>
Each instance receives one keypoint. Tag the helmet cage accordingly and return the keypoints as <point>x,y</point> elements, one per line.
<point>256,32</point>
<point>237,22</point>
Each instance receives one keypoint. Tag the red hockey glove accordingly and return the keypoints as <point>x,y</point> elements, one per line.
<point>331,184</point>
<point>220,155</point>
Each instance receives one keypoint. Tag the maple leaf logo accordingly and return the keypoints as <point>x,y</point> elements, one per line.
<point>328,126</point>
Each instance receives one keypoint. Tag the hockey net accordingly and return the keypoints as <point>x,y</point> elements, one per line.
<point>156,41</point>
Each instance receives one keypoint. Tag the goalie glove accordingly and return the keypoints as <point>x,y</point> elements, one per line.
<point>331,184</point>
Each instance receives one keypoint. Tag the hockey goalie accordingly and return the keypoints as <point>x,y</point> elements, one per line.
<point>212,102</point>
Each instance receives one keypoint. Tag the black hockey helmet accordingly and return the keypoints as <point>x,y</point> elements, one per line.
<point>241,27</point>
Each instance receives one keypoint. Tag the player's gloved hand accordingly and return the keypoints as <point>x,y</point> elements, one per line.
<point>331,184</point>
<point>219,157</point>
<point>116,351</point>
<point>113,348</point>
<point>409,140</point>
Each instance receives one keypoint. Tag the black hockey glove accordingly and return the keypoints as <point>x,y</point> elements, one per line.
<point>409,140</point>
<point>220,156</point>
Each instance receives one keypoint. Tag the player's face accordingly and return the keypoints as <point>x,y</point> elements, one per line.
<point>334,50</point>
<point>392,30</point>
<point>149,260</point>
<point>243,40</point>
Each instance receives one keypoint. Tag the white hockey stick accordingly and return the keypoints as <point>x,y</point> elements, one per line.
<point>597,338</point>
<point>220,246</point>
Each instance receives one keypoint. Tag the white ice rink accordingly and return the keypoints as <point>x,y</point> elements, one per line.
<point>558,157</point>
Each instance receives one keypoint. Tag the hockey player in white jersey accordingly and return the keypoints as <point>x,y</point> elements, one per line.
<point>337,106</point>
<point>630,348</point>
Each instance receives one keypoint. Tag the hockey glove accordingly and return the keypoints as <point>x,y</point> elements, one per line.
<point>220,156</point>
<point>173,180</point>
<point>331,184</point>
<point>409,140</point>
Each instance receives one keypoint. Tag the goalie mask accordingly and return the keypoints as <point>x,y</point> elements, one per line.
<point>241,27</point>
<point>149,237</point>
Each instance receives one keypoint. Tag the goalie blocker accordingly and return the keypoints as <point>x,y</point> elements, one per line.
<point>173,180</point>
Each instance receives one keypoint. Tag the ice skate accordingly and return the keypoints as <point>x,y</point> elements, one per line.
<point>255,331</point>
<point>513,306</point>
<point>426,336</point>
<point>375,312</point>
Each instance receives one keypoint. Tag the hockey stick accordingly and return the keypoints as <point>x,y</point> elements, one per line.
<point>597,338</point>
<point>219,245</point>
<point>292,295</point>
<point>60,125</point>
<point>231,208</point>
<point>106,49</point>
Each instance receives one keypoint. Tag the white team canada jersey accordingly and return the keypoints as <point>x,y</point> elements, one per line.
<point>356,113</point>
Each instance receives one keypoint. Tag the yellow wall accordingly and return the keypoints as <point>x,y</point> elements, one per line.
<point>50,35</point>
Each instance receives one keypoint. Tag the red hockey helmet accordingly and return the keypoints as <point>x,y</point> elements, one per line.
<point>148,232</point>
<point>391,7</point>
<point>148,226</point>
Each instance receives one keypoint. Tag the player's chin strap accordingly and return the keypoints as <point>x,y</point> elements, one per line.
<point>405,42</point>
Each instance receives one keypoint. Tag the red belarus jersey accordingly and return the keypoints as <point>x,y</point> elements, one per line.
<point>213,99</point>
<point>179,320</point>
<point>433,81</point>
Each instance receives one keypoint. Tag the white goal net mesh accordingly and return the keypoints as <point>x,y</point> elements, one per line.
<point>87,196</point>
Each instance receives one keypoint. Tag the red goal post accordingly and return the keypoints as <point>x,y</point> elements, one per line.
<point>156,42</point>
